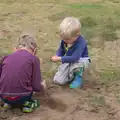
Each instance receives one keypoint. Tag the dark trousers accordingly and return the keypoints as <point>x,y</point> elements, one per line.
<point>20,100</point>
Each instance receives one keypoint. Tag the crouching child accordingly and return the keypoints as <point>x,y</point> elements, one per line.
<point>20,75</point>
<point>72,53</point>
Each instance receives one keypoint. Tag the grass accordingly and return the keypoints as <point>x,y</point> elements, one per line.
<point>110,75</point>
<point>86,5</point>
<point>93,18</point>
<point>98,101</point>
<point>97,19</point>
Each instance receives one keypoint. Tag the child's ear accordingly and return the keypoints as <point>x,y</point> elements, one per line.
<point>78,33</point>
<point>35,51</point>
<point>14,49</point>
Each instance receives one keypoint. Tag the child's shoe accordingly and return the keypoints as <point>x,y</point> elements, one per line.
<point>6,106</point>
<point>77,82</point>
<point>28,107</point>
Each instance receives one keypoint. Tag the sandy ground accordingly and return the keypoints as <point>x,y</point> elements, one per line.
<point>62,103</point>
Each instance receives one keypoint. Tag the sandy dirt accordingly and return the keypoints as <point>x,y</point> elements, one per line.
<point>62,103</point>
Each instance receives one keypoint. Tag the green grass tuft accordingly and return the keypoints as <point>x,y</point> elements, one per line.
<point>98,100</point>
<point>88,22</point>
<point>87,5</point>
<point>109,76</point>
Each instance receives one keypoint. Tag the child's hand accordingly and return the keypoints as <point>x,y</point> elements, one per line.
<point>56,58</point>
<point>44,84</point>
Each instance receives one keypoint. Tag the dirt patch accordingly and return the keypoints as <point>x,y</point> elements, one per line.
<point>62,103</point>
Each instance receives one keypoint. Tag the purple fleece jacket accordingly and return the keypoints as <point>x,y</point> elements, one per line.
<point>20,74</point>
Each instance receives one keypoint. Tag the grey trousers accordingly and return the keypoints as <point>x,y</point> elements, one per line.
<point>66,71</point>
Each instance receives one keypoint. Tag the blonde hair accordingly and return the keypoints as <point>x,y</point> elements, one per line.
<point>69,27</point>
<point>26,41</point>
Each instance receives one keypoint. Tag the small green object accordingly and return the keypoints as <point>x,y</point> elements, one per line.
<point>27,110</point>
<point>6,106</point>
<point>30,106</point>
<point>78,80</point>
<point>36,103</point>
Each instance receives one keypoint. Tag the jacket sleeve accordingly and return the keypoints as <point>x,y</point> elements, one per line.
<point>1,63</point>
<point>77,54</point>
<point>61,51</point>
<point>36,78</point>
<point>0,69</point>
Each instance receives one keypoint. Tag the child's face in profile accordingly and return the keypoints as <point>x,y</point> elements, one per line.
<point>70,40</point>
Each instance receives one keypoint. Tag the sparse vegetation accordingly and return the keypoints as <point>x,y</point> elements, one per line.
<point>98,101</point>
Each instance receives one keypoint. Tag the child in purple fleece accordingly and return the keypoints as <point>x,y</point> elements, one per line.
<point>73,53</point>
<point>20,75</point>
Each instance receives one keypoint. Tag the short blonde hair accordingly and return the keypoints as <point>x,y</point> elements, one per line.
<point>69,27</point>
<point>26,41</point>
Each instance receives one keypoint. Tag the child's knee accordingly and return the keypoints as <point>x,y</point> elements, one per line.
<point>58,80</point>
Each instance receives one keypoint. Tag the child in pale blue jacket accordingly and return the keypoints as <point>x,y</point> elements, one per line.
<point>73,53</point>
